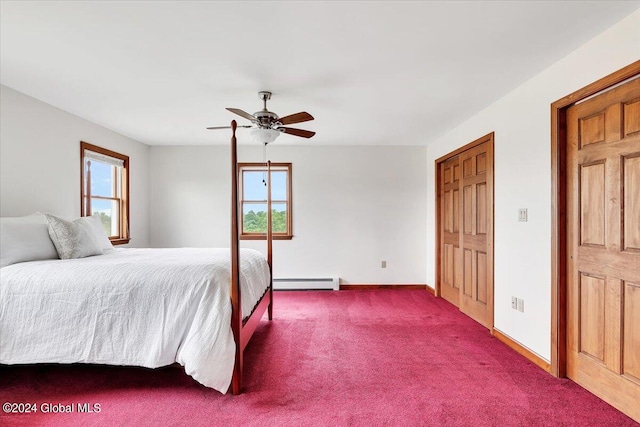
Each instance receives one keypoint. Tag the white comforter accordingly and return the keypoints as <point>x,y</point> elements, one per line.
<point>140,307</point>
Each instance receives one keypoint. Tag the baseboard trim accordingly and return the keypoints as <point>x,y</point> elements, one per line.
<point>522,350</point>
<point>431,290</point>
<point>367,286</point>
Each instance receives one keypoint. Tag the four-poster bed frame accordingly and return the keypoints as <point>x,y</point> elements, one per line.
<point>243,329</point>
<point>243,325</point>
<point>83,279</point>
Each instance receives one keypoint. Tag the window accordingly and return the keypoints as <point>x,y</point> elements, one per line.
<point>104,183</point>
<point>253,204</point>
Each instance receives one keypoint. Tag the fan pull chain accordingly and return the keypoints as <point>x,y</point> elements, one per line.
<point>264,161</point>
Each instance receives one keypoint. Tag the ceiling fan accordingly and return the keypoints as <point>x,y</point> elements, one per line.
<point>266,125</point>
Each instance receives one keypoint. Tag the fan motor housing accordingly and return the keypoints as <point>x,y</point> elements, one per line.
<point>265,118</point>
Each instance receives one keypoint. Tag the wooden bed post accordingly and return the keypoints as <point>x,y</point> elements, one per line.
<point>269,240</point>
<point>242,331</point>
<point>236,300</point>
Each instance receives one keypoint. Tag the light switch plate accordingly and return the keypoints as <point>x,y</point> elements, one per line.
<point>522,215</point>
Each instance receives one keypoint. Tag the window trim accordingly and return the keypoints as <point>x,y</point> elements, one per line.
<point>288,235</point>
<point>124,209</point>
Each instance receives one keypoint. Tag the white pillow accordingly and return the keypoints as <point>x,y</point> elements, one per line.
<point>95,224</point>
<point>73,239</point>
<point>25,239</point>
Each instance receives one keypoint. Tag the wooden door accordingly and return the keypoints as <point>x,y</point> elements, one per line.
<point>603,246</point>
<point>451,266</point>
<point>465,225</point>
<point>476,204</point>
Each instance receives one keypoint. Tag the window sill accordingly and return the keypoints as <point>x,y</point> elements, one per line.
<point>115,242</point>
<point>263,237</point>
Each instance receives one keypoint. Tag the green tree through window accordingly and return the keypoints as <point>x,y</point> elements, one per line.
<point>257,222</point>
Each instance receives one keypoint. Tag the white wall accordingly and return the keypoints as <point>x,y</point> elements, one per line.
<point>522,125</point>
<point>40,161</point>
<point>352,208</point>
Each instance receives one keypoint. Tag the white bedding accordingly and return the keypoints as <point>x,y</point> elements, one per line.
<point>140,307</point>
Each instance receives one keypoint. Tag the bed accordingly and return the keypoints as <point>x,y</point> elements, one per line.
<point>137,307</point>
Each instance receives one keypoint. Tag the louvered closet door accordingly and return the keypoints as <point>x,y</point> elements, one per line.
<point>451,254</point>
<point>476,224</point>
<point>603,246</point>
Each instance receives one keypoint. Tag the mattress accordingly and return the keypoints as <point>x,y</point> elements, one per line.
<point>134,307</point>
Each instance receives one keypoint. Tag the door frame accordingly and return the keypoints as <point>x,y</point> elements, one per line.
<point>489,138</point>
<point>559,166</point>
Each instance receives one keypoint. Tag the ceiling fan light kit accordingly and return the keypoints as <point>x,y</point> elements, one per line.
<point>264,135</point>
<point>267,125</point>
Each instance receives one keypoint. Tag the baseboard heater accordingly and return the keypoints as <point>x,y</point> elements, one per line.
<point>329,283</point>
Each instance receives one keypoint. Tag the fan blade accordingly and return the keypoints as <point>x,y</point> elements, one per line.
<point>242,113</point>
<point>296,118</point>
<point>228,127</point>
<point>297,132</point>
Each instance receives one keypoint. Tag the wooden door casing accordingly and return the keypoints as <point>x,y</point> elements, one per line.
<point>603,246</point>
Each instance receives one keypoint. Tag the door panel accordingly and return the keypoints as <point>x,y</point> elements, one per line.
<point>450,278</point>
<point>467,267</point>
<point>457,269</point>
<point>456,208</point>
<point>468,212</point>
<point>603,241</point>
<point>592,129</point>
<point>448,263</point>
<point>481,213</point>
<point>631,191</point>
<point>481,289</point>
<point>631,355</point>
<point>632,117</point>
<point>592,204</point>
<point>592,316</point>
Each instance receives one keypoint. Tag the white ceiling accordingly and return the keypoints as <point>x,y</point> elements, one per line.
<point>370,72</point>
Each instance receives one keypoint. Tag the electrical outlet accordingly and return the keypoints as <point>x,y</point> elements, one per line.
<point>514,303</point>
<point>521,305</point>
<point>383,264</point>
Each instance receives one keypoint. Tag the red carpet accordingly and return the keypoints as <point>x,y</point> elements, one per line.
<point>361,358</point>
